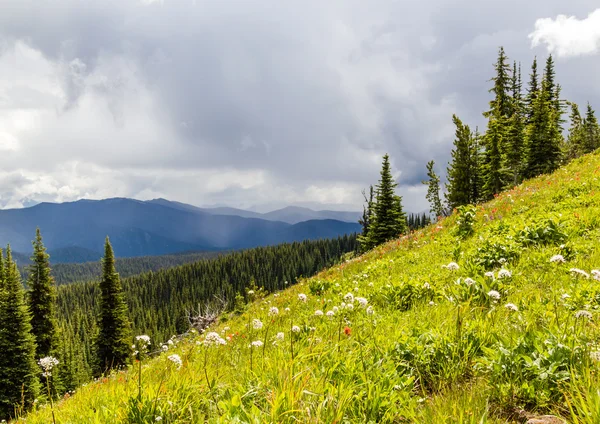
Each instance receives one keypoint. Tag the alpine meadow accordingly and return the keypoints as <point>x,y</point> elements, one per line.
<point>346,255</point>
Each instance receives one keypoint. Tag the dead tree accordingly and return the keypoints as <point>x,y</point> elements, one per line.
<point>205,315</point>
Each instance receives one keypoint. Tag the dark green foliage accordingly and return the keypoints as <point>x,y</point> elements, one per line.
<point>463,178</point>
<point>501,104</point>
<point>532,92</point>
<point>42,300</point>
<point>591,131</point>
<point>114,337</point>
<point>416,221</point>
<point>388,220</point>
<point>515,135</point>
<point>367,216</point>
<point>433,192</point>
<point>19,373</point>
<point>494,174</point>
<point>465,221</point>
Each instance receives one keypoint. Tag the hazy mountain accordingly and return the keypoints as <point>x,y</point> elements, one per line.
<point>75,231</point>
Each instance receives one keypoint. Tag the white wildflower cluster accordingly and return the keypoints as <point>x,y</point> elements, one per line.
<point>489,274</point>
<point>511,307</point>
<point>280,336</point>
<point>335,309</point>
<point>176,359</point>
<point>256,343</point>
<point>557,259</point>
<point>565,296</point>
<point>579,272</point>
<point>164,347</point>
<point>583,314</point>
<point>349,298</point>
<point>452,266</point>
<point>143,340</point>
<point>213,339</point>
<point>362,301</point>
<point>302,297</point>
<point>596,274</point>
<point>257,324</point>
<point>330,314</point>
<point>47,363</point>
<point>494,295</point>
<point>469,281</point>
<point>426,286</point>
<point>295,329</point>
<point>370,310</point>
<point>504,273</point>
<point>273,310</point>
<point>595,355</point>
<point>349,306</point>
<point>319,313</point>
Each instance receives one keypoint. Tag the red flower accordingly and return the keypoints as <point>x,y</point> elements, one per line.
<point>347,331</point>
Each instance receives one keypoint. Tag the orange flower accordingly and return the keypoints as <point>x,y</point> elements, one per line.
<point>347,331</point>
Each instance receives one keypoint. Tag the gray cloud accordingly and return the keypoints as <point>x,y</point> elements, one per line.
<point>250,103</point>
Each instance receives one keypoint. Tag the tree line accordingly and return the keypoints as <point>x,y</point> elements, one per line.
<point>89,327</point>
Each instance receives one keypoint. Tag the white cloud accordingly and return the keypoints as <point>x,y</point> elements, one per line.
<point>568,36</point>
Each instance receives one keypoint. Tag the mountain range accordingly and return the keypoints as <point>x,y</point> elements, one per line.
<point>75,231</point>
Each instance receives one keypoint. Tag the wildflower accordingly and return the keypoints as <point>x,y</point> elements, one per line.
<point>362,301</point>
<point>579,272</point>
<point>426,286</point>
<point>356,289</point>
<point>511,307</point>
<point>250,292</point>
<point>370,310</point>
<point>319,313</point>
<point>302,297</point>
<point>280,336</point>
<point>287,309</point>
<point>347,331</point>
<point>170,342</point>
<point>349,298</point>
<point>164,347</point>
<point>158,418</point>
<point>257,324</point>
<point>144,341</point>
<point>431,303</point>
<point>504,273</point>
<point>226,328</point>
<point>295,329</point>
<point>330,314</point>
<point>595,355</point>
<point>489,274</point>
<point>176,360</point>
<point>370,284</point>
<point>469,281</point>
<point>596,274</point>
<point>335,309</point>
<point>494,294</point>
<point>557,258</point>
<point>213,338</point>
<point>47,363</point>
<point>452,266</point>
<point>565,296</point>
<point>583,314</point>
<point>350,306</point>
<point>274,310</point>
<point>256,343</point>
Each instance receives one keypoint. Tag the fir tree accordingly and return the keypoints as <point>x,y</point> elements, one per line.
<point>574,146</point>
<point>515,143</point>
<point>500,105</point>
<point>433,191</point>
<point>114,339</point>
<point>366,219</point>
<point>532,92</point>
<point>389,219</point>
<point>19,373</point>
<point>42,299</point>
<point>591,131</point>
<point>462,171</point>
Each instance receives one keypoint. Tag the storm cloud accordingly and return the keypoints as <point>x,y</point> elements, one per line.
<point>257,103</point>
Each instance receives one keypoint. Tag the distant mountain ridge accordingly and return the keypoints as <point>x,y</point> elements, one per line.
<point>75,231</point>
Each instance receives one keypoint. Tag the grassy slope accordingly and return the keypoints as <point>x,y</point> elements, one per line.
<point>447,353</point>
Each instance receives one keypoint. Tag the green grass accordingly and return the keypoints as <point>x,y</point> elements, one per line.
<point>437,349</point>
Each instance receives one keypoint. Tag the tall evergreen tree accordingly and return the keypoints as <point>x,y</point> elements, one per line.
<point>462,171</point>
<point>500,105</point>
<point>515,143</point>
<point>532,92</point>
<point>366,219</point>
<point>389,219</point>
<point>19,373</point>
<point>433,191</point>
<point>574,146</point>
<point>42,300</point>
<point>591,131</point>
<point>114,338</point>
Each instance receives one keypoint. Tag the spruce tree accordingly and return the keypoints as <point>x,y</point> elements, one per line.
<point>19,373</point>
<point>114,337</point>
<point>515,136</point>
<point>591,131</point>
<point>389,219</point>
<point>574,146</point>
<point>42,300</point>
<point>462,170</point>
<point>532,92</point>
<point>433,191</point>
<point>366,219</point>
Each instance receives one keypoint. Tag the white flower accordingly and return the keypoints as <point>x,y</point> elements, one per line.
<point>287,309</point>
<point>176,360</point>
<point>362,301</point>
<point>504,273</point>
<point>250,292</point>
<point>489,274</point>
<point>295,329</point>
<point>557,258</point>
<point>356,289</point>
<point>319,313</point>
<point>164,347</point>
<point>350,306</point>
<point>579,272</point>
<point>170,341</point>
<point>274,310</point>
<point>47,363</point>
<point>280,336</point>
<point>431,303</point>
<point>426,286</point>
<point>302,297</point>
<point>469,281</point>
<point>596,274</point>
<point>595,355</point>
<point>257,324</point>
<point>330,314</point>
<point>370,284</point>
<point>452,266</point>
<point>256,343</point>
<point>511,307</point>
<point>370,310</point>
<point>565,296</point>
<point>583,314</point>
<point>213,338</point>
<point>494,294</point>
<point>349,298</point>
<point>144,340</point>
<point>335,309</point>
<point>158,418</point>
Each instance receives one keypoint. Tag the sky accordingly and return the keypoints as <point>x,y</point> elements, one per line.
<point>260,103</point>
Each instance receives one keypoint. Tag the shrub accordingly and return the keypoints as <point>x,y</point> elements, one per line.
<point>465,221</point>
